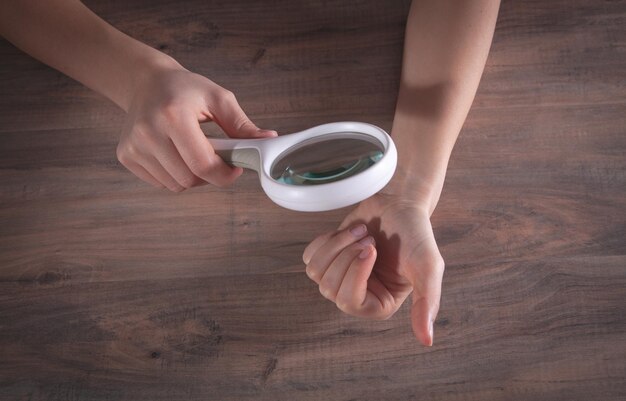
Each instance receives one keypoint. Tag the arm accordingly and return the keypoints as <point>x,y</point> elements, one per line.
<point>67,36</point>
<point>445,51</point>
<point>385,249</point>
<point>162,142</point>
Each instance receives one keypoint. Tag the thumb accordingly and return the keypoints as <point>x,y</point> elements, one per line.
<point>227,113</point>
<point>426,281</point>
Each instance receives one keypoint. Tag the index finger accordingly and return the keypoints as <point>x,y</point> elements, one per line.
<point>197,152</point>
<point>341,238</point>
<point>310,250</point>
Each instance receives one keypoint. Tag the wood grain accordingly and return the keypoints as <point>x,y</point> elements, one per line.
<point>111,290</point>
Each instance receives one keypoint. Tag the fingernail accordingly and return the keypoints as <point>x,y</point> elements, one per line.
<point>365,253</point>
<point>369,240</point>
<point>358,230</point>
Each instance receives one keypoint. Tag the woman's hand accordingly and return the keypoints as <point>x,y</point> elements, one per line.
<point>384,250</point>
<point>162,142</point>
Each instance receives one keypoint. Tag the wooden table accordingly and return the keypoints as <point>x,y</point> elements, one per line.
<point>113,290</point>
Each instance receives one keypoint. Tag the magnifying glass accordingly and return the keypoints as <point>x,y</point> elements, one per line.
<point>326,167</point>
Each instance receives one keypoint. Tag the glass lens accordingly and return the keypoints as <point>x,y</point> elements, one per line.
<point>327,158</point>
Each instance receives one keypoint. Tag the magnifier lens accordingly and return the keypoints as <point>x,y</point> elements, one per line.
<point>326,159</point>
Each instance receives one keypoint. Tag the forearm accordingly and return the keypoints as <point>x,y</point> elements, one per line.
<point>69,37</point>
<point>445,50</point>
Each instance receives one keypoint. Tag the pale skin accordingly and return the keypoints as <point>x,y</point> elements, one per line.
<point>385,249</point>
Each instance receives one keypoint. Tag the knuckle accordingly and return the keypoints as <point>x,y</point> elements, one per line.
<point>227,95</point>
<point>225,98</point>
<point>176,188</point>
<point>187,181</point>
<point>167,157</point>
<point>241,121</point>
<point>441,264</point>
<point>141,133</point>
<point>171,107</point>
<point>312,273</point>
<point>120,154</point>
<point>125,153</point>
<point>200,166</point>
<point>343,304</point>
<point>325,284</point>
<point>326,292</point>
<point>437,263</point>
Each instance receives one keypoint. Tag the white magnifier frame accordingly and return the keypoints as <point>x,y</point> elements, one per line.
<point>260,155</point>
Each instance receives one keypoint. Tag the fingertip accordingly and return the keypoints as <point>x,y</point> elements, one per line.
<point>225,175</point>
<point>266,133</point>
<point>427,337</point>
<point>367,252</point>
<point>306,254</point>
<point>237,171</point>
<point>421,323</point>
<point>369,240</point>
<point>422,335</point>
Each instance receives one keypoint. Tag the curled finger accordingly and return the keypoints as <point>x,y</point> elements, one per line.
<point>328,251</point>
<point>334,275</point>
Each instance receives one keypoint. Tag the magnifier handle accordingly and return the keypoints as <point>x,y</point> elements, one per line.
<point>238,152</point>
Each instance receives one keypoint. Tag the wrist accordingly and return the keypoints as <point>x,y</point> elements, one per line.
<point>144,72</point>
<point>409,185</point>
<point>422,163</point>
<point>424,146</point>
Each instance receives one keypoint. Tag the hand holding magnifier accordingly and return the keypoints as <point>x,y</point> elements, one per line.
<point>321,168</point>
